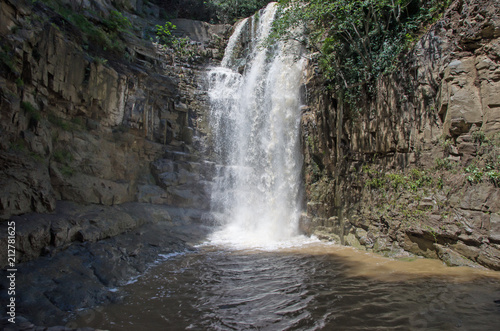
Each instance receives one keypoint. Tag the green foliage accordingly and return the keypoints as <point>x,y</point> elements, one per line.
<point>180,46</point>
<point>17,146</point>
<point>419,179</point>
<point>116,22</point>
<point>59,122</point>
<point>67,171</point>
<point>479,137</point>
<point>213,11</point>
<point>78,121</point>
<point>19,82</point>
<point>440,183</point>
<point>494,177</point>
<point>164,33</point>
<point>396,180</point>
<point>94,33</point>
<point>37,157</point>
<point>413,181</point>
<point>62,156</point>
<point>432,232</point>
<point>475,174</point>
<point>228,11</point>
<point>357,40</point>
<point>99,60</point>
<point>75,124</point>
<point>6,56</point>
<point>443,164</point>
<point>375,183</point>
<point>91,32</point>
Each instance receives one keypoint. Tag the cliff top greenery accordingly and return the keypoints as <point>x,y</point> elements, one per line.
<point>356,41</point>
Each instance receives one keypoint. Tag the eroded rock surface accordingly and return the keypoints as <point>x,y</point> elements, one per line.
<point>417,168</point>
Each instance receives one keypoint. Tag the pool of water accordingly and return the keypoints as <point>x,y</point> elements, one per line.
<point>316,286</point>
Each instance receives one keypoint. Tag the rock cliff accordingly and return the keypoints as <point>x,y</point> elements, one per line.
<point>417,168</point>
<point>103,163</point>
<point>94,111</point>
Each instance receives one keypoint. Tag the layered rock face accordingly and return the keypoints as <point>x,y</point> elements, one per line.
<point>417,168</point>
<point>103,160</point>
<point>101,115</point>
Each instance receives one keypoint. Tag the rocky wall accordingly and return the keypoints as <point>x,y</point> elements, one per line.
<point>82,123</point>
<point>416,169</point>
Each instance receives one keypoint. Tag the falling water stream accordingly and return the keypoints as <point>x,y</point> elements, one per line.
<point>255,117</point>
<point>256,271</point>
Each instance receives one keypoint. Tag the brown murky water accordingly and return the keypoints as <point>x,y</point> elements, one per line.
<point>312,287</point>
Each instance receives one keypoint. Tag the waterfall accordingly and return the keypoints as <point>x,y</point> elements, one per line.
<point>255,120</point>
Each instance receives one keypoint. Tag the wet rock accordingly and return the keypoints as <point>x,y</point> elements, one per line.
<point>490,257</point>
<point>381,244</point>
<point>36,233</point>
<point>81,275</point>
<point>467,251</point>
<point>363,238</point>
<point>419,246</point>
<point>351,240</point>
<point>326,235</point>
<point>452,258</point>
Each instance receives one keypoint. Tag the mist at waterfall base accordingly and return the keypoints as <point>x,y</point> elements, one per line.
<point>256,271</point>
<point>255,119</point>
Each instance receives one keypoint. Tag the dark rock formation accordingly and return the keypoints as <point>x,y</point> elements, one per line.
<point>86,253</point>
<point>416,168</point>
<point>90,119</point>
<point>102,147</point>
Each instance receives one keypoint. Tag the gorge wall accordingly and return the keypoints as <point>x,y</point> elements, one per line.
<point>93,111</point>
<point>417,168</point>
<point>105,116</point>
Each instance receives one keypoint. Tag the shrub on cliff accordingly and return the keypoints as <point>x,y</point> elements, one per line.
<point>357,40</point>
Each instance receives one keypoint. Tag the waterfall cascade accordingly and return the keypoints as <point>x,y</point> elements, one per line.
<point>255,119</point>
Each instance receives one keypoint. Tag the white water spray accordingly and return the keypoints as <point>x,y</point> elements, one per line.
<point>255,119</point>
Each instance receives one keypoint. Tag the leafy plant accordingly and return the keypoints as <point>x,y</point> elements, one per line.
<point>62,156</point>
<point>18,145</point>
<point>6,57</point>
<point>99,60</point>
<point>479,137</point>
<point>117,22</point>
<point>375,183</point>
<point>57,121</point>
<point>397,180</point>
<point>419,179</point>
<point>67,171</point>
<point>476,174</point>
<point>164,33</point>
<point>432,232</point>
<point>19,82</point>
<point>107,40</point>
<point>72,125</point>
<point>180,46</point>
<point>443,164</point>
<point>228,11</point>
<point>494,177</point>
<point>357,41</point>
